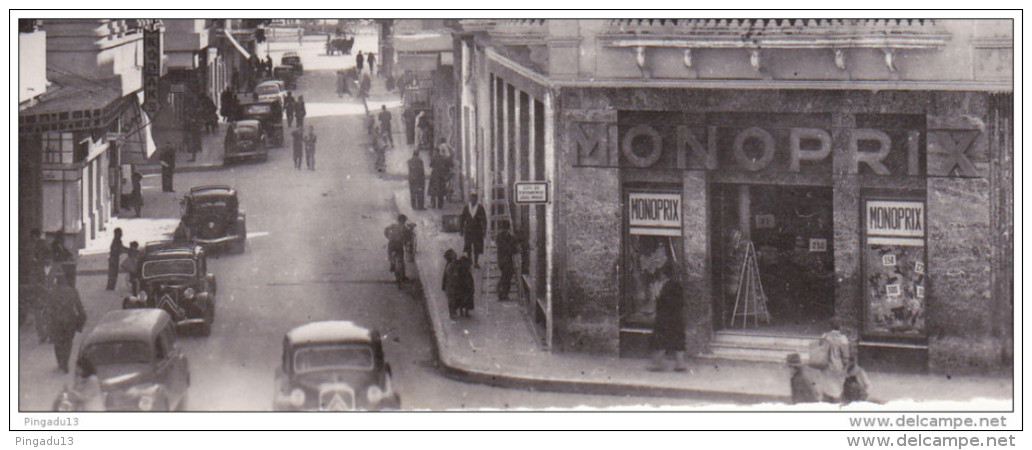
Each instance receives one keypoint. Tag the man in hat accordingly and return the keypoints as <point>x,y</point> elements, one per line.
<point>804,381</point>
<point>113,259</point>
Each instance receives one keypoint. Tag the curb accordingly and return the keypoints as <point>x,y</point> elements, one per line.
<point>460,373</point>
<point>152,170</point>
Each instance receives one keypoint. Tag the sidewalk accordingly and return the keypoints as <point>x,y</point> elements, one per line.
<point>209,158</point>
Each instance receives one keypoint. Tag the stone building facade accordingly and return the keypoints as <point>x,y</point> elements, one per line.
<point>868,162</point>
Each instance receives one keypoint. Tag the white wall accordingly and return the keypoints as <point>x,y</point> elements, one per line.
<point>32,70</point>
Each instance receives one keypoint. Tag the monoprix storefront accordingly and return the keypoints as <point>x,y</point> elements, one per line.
<point>784,209</point>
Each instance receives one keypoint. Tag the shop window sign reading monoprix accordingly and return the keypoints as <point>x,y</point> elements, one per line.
<point>654,213</point>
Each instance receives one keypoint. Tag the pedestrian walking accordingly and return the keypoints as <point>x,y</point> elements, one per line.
<point>371,59</point>
<point>268,65</point>
<point>67,317</point>
<point>168,168</point>
<point>398,235</point>
<point>300,112</point>
<point>299,146</point>
<point>409,117</point>
<point>58,252</point>
<point>508,246</point>
<point>114,258</point>
<point>385,124</point>
<point>440,167</point>
<point>300,35</point>
<point>668,331</point>
<point>136,195</point>
<point>803,382</point>
<point>310,148</point>
<point>225,99</point>
<point>210,114</point>
<point>365,86</point>
<point>464,286</point>
<point>473,224</point>
<point>422,131</point>
<point>416,180</point>
<point>830,355</point>
<point>288,106</point>
<point>449,282</point>
<point>359,60</point>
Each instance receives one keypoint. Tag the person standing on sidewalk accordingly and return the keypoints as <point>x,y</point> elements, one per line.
<point>439,166</point>
<point>416,180</point>
<point>39,266</point>
<point>136,195</point>
<point>668,331</point>
<point>62,258</point>
<point>473,224</point>
<point>168,168</point>
<point>288,106</point>
<point>300,112</point>
<point>803,382</point>
<point>449,283</point>
<point>371,59</point>
<point>67,317</point>
<point>464,285</point>
<point>397,234</point>
<point>359,60</point>
<point>310,148</point>
<point>114,255</point>
<point>299,146</point>
<point>131,266</point>
<point>508,246</point>
<point>385,124</point>
<point>409,117</point>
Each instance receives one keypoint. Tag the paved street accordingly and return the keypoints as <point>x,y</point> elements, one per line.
<point>315,252</point>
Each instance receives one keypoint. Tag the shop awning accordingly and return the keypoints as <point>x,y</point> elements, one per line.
<point>240,48</point>
<point>137,143</point>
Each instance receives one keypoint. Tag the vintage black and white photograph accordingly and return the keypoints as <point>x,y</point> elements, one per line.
<point>226,211</point>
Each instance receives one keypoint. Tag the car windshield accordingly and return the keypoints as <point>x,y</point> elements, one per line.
<point>310,359</point>
<point>291,59</point>
<point>246,132</point>
<point>118,352</point>
<point>268,89</point>
<point>181,267</point>
<point>259,109</point>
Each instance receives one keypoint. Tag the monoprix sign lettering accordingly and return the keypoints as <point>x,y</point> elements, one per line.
<point>654,213</point>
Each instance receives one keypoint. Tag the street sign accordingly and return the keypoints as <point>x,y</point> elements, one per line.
<point>531,192</point>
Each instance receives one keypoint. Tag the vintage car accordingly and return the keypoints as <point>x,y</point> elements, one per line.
<point>333,366</point>
<point>245,139</point>
<point>287,75</point>
<point>214,218</point>
<point>271,90</point>
<point>269,114</point>
<point>174,278</point>
<point>140,365</point>
<point>294,60</point>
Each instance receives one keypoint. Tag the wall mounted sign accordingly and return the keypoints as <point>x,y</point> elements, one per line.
<point>654,213</point>
<point>152,69</point>
<point>818,245</point>
<point>764,221</point>
<point>531,192</point>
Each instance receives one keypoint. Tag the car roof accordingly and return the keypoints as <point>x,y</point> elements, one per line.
<point>129,325</point>
<point>247,123</point>
<point>166,249</point>
<point>286,54</point>
<point>282,67</point>
<point>215,190</point>
<point>329,331</point>
<point>268,82</point>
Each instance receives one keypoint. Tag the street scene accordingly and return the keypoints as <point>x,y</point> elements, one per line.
<point>450,215</point>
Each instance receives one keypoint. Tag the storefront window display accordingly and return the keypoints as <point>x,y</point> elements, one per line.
<point>894,264</point>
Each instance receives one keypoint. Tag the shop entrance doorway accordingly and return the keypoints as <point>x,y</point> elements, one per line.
<point>790,228</point>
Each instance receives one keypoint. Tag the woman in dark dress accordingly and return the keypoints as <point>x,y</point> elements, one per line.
<point>464,287</point>
<point>668,332</point>
<point>448,283</point>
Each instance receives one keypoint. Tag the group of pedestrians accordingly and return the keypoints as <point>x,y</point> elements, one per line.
<point>832,374</point>
<point>295,109</point>
<point>304,145</point>
<point>362,61</point>
<point>53,300</point>
<point>441,166</point>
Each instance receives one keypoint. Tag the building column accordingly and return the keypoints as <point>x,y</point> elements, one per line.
<point>846,212</point>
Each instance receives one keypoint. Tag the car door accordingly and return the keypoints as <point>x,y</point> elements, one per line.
<point>167,369</point>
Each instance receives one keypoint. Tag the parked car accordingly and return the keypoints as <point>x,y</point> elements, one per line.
<point>245,139</point>
<point>270,114</point>
<point>139,363</point>
<point>174,277</point>
<point>294,60</point>
<point>333,366</point>
<point>286,74</point>
<point>271,90</point>
<point>213,217</point>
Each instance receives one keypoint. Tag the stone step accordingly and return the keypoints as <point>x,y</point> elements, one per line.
<point>754,346</point>
<point>749,354</point>
<point>749,339</point>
